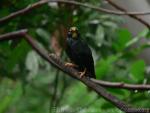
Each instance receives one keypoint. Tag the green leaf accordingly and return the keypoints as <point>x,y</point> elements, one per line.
<point>145,45</point>
<point>105,65</point>
<point>8,100</point>
<point>43,33</point>
<point>17,55</point>
<point>110,24</point>
<point>32,64</point>
<point>137,70</point>
<point>109,18</point>
<point>148,34</point>
<point>99,38</point>
<point>121,93</point>
<point>144,33</point>
<point>102,68</point>
<point>123,37</point>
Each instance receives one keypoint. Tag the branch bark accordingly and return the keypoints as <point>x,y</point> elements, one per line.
<point>13,35</point>
<point>57,63</point>
<point>122,85</point>
<point>42,2</point>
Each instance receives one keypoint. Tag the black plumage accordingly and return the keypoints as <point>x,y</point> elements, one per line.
<point>79,52</point>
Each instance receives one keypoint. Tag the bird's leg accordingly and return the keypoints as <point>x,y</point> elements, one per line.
<point>82,73</point>
<point>68,64</point>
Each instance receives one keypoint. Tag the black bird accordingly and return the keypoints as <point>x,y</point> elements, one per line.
<point>79,53</point>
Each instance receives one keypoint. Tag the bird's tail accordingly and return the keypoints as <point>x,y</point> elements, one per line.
<point>91,75</point>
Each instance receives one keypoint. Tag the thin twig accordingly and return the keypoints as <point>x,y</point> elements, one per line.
<point>132,16</point>
<point>64,87</point>
<point>122,85</point>
<point>56,62</point>
<point>42,2</point>
<point>53,98</point>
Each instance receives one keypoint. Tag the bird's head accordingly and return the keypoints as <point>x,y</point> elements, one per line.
<point>73,33</point>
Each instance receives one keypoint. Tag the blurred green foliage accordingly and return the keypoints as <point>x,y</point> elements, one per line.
<point>29,84</point>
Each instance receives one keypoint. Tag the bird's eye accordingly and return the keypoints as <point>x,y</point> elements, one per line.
<point>69,34</point>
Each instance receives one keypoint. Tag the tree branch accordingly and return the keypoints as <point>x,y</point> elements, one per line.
<point>122,85</point>
<point>42,2</point>
<point>132,16</point>
<point>13,35</point>
<point>57,63</point>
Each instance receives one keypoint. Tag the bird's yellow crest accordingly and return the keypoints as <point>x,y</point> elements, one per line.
<point>74,32</point>
<point>73,29</point>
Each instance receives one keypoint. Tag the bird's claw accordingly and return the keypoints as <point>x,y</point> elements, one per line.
<point>82,73</point>
<point>70,65</point>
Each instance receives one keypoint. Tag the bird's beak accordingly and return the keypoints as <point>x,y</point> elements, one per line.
<point>74,35</point>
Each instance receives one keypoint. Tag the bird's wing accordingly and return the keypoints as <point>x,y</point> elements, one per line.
<point>84,54</point>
